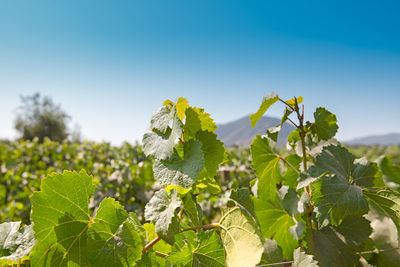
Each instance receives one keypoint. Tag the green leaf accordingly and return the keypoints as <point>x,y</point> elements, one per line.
<point>161,210</point>
<point>325,126</point>
<point>178,171</point>
<point>386,202</point>
<point>197,120</point>
<point>207,251</point>
<point>113,238</point>
<point>192,209</point>
<point>213,151</point>
<point>161,145</point>
<point>301,259</point>
<point>267,166</point>
<point>14,243</point>
<point>241,238</point>
<point>292,172</point>
<point>61,218</point>
<point>337,198</point>
<point>336,246</point>
<point>268,100</point>
<point>391,173</point>
<point>68,235</point>
<point>161,118</point>
<point>275,223</point>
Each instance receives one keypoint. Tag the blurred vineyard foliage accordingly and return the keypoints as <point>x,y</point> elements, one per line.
<point>122,172</point>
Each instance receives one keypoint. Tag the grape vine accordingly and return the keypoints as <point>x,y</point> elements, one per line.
<point>313,204</point>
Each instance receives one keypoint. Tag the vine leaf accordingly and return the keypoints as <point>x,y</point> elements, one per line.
<point>336,246</point>
<point>267,102</point>
<point>301,259</point>
<point>213,151</point>
<point>241,238</point>
<point>161,118</point>
<point>275,223</point>
<point>338,193</point>
<point>161,145</point>
<point>192,209</point>
<point>386,202</point>
<point>161,210</point>
<point>113,240</point>
<point>64,227</point>
<point>14,243</point>
<point>181,105</point>
<point>391,174</point>
<point>178,171</point>
<point>267,166</point>
<point>336,199</point>
<point>197,120</point>
<point>325,126</point>
<point>206,251</point>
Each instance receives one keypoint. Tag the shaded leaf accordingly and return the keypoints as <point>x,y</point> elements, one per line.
<point>213,151</point>
<point>325,126</point>
<point>391,173</point>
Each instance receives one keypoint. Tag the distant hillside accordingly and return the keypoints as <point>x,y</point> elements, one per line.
<point>383,140</point>
<point>241,133</point>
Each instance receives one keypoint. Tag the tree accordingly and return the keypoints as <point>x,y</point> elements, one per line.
<point>40,117</point>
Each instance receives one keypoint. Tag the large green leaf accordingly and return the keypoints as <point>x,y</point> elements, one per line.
<point>267,166</point>
<point>241,238</point>
<point>336,199</point>
<point>206,251</point>
<point>275,223</point>
<point>64,227</point>
<point>161,210</point>
<point>325,126</point>
<point>336,246</point>
<point>267,101</point>
<point>178,171</point>
<point>161,145</point>
<point>213,151</point>
<point>386,202</point>
<point>15,243</point>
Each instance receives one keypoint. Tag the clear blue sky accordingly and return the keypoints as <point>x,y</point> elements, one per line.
<point>111,63</point>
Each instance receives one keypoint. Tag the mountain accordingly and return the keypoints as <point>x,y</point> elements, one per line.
<point>241,133</point>
<point>383,140</point>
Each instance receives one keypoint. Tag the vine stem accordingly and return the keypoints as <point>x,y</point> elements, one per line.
<point>151,243</point>
<point>207,226</point>
<point>155,240</point>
